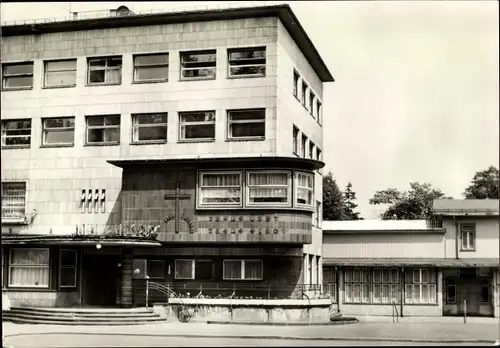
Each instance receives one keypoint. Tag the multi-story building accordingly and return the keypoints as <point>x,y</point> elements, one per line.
<point>446,266</point>
<point>180,147</point>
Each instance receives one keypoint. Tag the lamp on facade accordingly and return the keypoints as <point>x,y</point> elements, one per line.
<point>98,246</point>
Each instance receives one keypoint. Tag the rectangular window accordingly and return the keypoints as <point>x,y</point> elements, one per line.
<point>103,129</point>
<point>151,67</point>
<point>198,65</point>
<point>68,268</point>
<point>451,291</point>
<point>295,84</point>
<point>60,73</point>
<point>386,285</point>
<point>29,268</point>
<point>303,146</point>
<point>318,154</point>
<point>17,75</point>
<point>357,285</point>
<point>311,103</point>
<point>304,94</point>
<point>106,70</point>
<point>318,213</point>
<point>58,131</point>
<point>184,269</point>
<point>194,269</point>
<point>305,189</point>
<point>264,188</point>
<point>485,291</point>
<point>247,61</point>
<point>311,150</point>
<point>140,268</point>
<point>420,286</point>
<point>16,133</point>
<point>198,125</point>
<point>156,269</point>
<point>149,127</point>
<point>467,235</point>
<point>330,282</point>
<point>220,189</point>
<point>246,123</point>
<point>318,112</point>
<point>242,270</point>
<point>295,140</point>
<point>13,200</point>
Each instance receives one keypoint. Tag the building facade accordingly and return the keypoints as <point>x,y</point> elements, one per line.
<point>446,266</point>
<point>183,148</point>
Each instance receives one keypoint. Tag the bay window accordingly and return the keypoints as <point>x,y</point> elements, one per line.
<point>264,188</point>
<point>420,286</point>
<point>222,188</point>
<point>242,270</point>
<point>304,189</point>
<point>29,267</point>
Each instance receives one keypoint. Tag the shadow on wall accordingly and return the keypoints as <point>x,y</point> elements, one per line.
<point>115,216</point>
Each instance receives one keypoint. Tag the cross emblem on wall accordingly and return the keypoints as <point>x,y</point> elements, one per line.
<point>177,197</point>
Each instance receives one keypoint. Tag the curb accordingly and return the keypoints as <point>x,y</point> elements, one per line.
<point>372,339</point>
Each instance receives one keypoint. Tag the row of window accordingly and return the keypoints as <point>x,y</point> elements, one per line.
<point>153,67</point>
<point>305,148</point>
<point>146,128</point>
<point>307,97</point>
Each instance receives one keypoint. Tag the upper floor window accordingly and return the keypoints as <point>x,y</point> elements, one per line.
<point>151,67</point>
<point>311,150</point>
<point>149,127</point>
<point>106,70</point>
<point>247,61</point>
<point>103,129</point>
<point>268,187</point>
<point>59,131</point>
<point>16,133</point>
<point>59,73</point>
<point>304,93</point>
<point>318,112</point>
<point>318,154</point>
<point>199,65</point>
<point>17,75</point>
<point>246,123</point>
<point>295,84</point>
<point>304,189</point>
<point>311,103</point>
<point>220,189</point>
<point>242,270</point>
<point>13,200</point>
<point>197,125</point>
<point>303,146</point>
<point>467,235</point>
<point>295,140</point>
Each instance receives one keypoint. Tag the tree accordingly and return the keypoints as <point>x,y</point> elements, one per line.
<point>412,205</point>
<point>349,205</point>
<point>333,202</point>
<point>484,185</point>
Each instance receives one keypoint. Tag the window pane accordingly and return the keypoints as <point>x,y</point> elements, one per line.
<point>114,62</point>
<point>204,270</point>
<point>59,137</point>
<point>98,62</point>
<point>152,133</point>
<point>95,121</point>
<point>68,276</point>
<point>248,130</point>
<point>348,292</point>
<point>208,116</point>
<point>150,119</point>
<point>253,269</point>
<point>32,257</point>
<point>151,73</point>
<point>247,115</point>
<point>386,275</point>
<point>220,179</point>
<point>221,195</point>
<point>68,257</point>
<point>112,135</point>
<point>60,65</point>
<point>29,276</point>
<point>95,135</point>
<point>156,269</point>
<point>184,269</point>
<point>113,76</point>
<point>232,269</point>
<point>451,294</point>
<point>348,275</point>
<point>112,120</point>
<point>151,59</point>
<point>60,78</point>
<point>18,81</point>
<point>201,73</point>
<point>13,200</point>
<point>365,289</point>
<point>16,69</point>
<point>248,53</point>
<point>377,293</point>
<point>97,76</point>
<point>247,70</point>
<point>198,131</point>
<point>139,266</point>
<point>59,123</point>
<point>209,56</point>
<point>268,179</point>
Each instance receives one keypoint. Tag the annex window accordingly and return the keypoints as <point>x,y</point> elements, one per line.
<point>199,65</point>
<point>242,270</point>
<point>103,129</point>
<point>319,111</point>
<point>246,123</point>
<point>420,286</point>
<point>304,94</point>
<point>60,73</point>
<point>29,268</point>
<point>303,146</point>
<point>222,188</point>
<point>68,268</point>
<point>58,131</point>
<point>106,70</point>
<point>16,133</point>
<point>17,75</point>
<point>247,61</point>
<point>451,291</point>
<point>311,150</point>
<point>357,285</point>
<point>13,200</point>
<point>305,189</point>
<point>198,125</point>
<point>311,103</point>
<point>149,127</point>
<point>295,140</point>
<point>151,67</point>
<point>467,235</point>
<point>270,187</point>
<point>330,282</point>
<point>295,84</point>
<point>386,285</point>
<point>194,269</point>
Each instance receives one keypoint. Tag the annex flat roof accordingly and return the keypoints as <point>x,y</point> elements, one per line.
<point>481,207</point>
<point>376,225</point>
<point>283,12</point>
<point>423,262</point>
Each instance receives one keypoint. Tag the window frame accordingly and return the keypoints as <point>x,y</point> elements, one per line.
<point>136,67</point>
<point>5,76</point>
<point>136,126</point>
<point>57,129</point>
<point>230,122</point>
<point>243,49</point>
<point>106,69</point>
<point>393,295</point>
<point>469,242</point>
<point>330,283</point>
<point>289,185</point>
<point>44,266</point>
<point>319,111</point>
<point>297,187</point>
<point>200,187</point>
<point>5,136</point>
<point>7,219</point>
<point>193,269</point>
<point>242,265</point>
<point>296,79</point>
<point>104,126</point>
<point>296,142</point>
<point>148,267</point>
<point>312,147</point>
<point>182,137</point>
<point>362,283</point>
<point>303,145</point>
<point>451,283</point>
<point>419,283</point>
<point>182,68</point>
<point>46,72</point>
<point>304,94</point>
<point>312,96</point>
<point>61,267</point>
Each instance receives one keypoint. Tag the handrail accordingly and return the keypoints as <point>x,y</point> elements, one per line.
<point>395,311</point>
<point>167,291</point>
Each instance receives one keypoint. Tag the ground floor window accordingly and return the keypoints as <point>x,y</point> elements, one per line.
<point>451,291</point>
<point>242,269</point>
<point>29,267</point>
<point>193,269</point>
<point>377,285</point>
<point>485,291</point>
<point>420,286</point>
<point>68,268</point>
<point>330,283</point>
<point>357,285</point>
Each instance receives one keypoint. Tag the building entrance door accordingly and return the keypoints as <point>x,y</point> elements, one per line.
<point>469,296</point>
<point>101,278</point>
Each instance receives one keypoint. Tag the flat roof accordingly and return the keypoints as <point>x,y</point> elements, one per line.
<point>283,12</point>
<point>466,206</point>
<point>423,262</point>
<point>377,226</point>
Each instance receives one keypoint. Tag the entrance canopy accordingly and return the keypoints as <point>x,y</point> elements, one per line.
<point>79,240</point>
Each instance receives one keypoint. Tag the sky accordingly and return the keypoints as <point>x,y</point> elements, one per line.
<point>416,91</point>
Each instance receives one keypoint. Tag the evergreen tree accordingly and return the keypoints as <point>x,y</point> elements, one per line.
<point>349,205</point>
<point>333,202</point>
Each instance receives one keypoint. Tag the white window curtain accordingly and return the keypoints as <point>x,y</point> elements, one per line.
<point>221,188</point>
<point>385,285</point>
<point>304,189</point>
<point>268,188</point>
<point>420,287</point>
<point>357,285</point>
<point>29,268</point>
<point>253,269</point>
<point>232,269</point>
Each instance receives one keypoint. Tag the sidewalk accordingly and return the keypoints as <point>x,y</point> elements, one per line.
<point>363,331</point>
